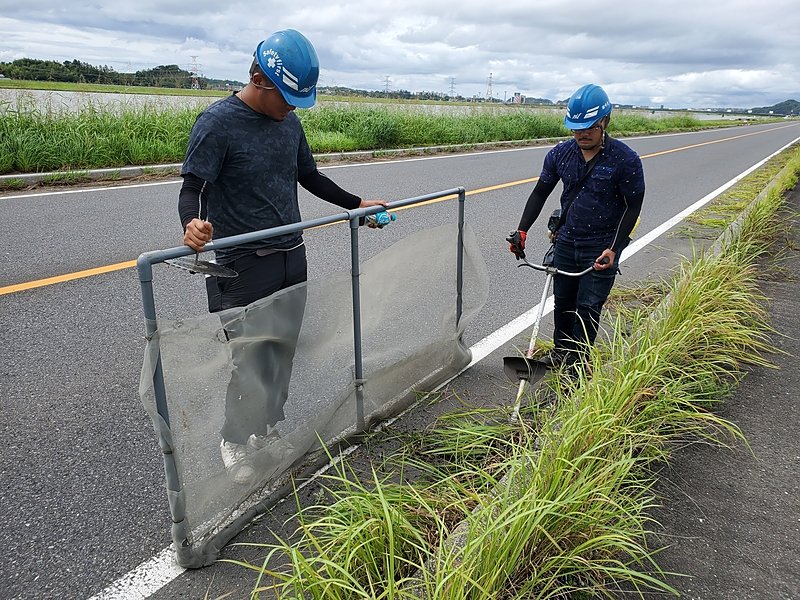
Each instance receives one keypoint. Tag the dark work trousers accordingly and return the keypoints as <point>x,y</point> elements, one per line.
<point>259,384</point>
<point>578,301</point>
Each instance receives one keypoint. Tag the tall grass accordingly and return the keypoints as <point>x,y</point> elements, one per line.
<point>555,505</point>
<point>35,140</point>
<point>333,129</point>
<point>32,141</point>
<point>627,123</point>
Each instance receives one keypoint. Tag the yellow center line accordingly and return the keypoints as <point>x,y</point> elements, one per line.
<point>474,192</point>
<point>690,146</point>
<point>37,283</point>
<point>29,285</point>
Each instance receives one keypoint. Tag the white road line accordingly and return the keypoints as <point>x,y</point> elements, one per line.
<point>152,575</point>
<point>144,580</point>
<point>110,188</point>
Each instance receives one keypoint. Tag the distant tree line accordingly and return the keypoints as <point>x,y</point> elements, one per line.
<point>167,76</point>
<point>787,107</point>
<point>406,95</point>
<point>338,90</point>
<point>172,76</point>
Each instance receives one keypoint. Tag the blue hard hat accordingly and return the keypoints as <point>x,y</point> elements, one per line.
<point>291,63</point>
<point>586,107</point>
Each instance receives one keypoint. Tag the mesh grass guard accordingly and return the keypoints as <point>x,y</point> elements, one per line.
<point>411,342</point>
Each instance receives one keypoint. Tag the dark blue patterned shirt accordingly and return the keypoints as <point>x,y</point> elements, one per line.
<point>615,184</point>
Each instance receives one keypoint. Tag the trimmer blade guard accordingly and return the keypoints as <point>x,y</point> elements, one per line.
<point>519,367</point>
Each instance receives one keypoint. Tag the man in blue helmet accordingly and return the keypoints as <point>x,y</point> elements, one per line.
<point>603,192</point>
<point>245,157</point>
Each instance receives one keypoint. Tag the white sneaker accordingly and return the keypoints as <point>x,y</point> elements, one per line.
<point>236,458</point>
<point>259,442</point>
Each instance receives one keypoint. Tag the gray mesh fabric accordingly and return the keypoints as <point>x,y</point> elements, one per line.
<point>411,343</point>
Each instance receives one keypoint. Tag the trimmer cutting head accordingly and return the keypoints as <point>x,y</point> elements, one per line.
<point>518,368</point>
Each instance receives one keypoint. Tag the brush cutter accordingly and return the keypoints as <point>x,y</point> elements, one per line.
<point>204,267</point>
<point>526,369</point>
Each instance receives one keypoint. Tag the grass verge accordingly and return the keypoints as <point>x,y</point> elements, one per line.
<point>556,504</point>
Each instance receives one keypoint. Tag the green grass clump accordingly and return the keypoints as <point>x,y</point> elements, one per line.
<point>34,141</point>
<point>335,129</point>
<point>715,217</point>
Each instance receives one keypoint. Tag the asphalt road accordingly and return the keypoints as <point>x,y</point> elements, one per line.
<point>82,490</point>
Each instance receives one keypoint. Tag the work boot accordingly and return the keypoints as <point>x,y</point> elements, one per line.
<point>236,458</point>
<point>555,358</point>
<point>575,362</point>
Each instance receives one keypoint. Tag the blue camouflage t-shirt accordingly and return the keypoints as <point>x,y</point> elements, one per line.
<point>252,163</point>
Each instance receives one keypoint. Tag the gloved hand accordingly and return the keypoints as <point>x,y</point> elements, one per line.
<point>516,239</point>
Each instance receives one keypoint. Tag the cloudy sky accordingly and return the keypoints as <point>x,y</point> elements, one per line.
<point>681,53</point>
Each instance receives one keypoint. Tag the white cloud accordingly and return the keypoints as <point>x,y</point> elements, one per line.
<point>680,53</point>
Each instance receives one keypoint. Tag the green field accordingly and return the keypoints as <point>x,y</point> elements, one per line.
<point>37,140</point>
<point>99,88</point>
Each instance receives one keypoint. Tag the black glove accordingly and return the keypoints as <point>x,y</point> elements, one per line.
<point>516,239</point>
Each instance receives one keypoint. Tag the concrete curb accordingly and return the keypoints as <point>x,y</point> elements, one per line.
<point>116,173</point>
<point>93,174</point>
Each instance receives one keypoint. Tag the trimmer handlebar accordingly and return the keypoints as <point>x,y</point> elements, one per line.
<point>550,270</point>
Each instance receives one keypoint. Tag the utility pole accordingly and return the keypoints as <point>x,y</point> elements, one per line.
<point>489,89</point>
<point>194,69</point>
<point>452,87</point>
<point>386,86</point>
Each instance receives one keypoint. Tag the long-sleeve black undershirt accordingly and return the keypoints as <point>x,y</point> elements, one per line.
<point>633,207</point>
<point>534,205</point>
<point>191,200</point>
<point>321,186</point>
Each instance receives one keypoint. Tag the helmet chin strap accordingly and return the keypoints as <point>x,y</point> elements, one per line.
<point>258,85</point>
<point>602,133</point>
